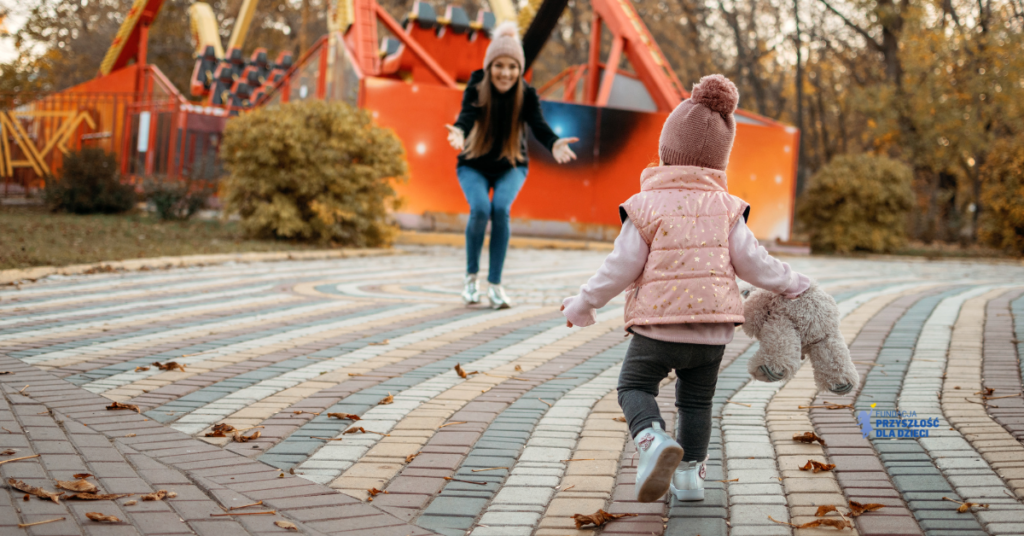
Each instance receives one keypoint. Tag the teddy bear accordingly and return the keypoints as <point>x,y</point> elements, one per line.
<point>789,330</point>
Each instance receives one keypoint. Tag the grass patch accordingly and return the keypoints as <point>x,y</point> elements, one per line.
<point>32,236</point>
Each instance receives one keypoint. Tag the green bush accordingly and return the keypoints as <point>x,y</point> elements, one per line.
<point>176,200</point>
<point>314,171</point>
<point>90,183</point>
<point>858,203</point>
<point>1002,197</point>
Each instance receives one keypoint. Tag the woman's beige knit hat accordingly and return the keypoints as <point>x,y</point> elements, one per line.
<point>505,42</point>
<point>700,131</point>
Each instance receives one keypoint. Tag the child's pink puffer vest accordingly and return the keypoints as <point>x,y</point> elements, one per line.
<point>685,215</point>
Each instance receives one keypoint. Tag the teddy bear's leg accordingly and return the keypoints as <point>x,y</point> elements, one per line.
<point>778,357</point>
<point>833,369</point>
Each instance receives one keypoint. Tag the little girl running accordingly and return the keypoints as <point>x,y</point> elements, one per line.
<point>683,242</point>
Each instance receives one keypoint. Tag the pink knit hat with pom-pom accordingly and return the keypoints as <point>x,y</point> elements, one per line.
<point>700,131</point>
<point>505,42</point>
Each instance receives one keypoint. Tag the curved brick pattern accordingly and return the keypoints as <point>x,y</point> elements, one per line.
<point>325,464</point>
<point>355,352</point>
<point>444,400</point>
<point>273,344</point>
<point>536,474</point>
<point>759,446</point>
<point>457,506</point>
<point>325,391</point>
<point>954,456</point>
<point>863,468</point>
<point>1001,369</point>
<point>366,354</point>
<point>986,439</point>
<point>806,490</point>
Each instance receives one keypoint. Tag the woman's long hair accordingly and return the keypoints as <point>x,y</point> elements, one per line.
<point>481,137</point>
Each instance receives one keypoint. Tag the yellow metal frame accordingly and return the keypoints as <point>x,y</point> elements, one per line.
<point>245,14</point>
<point>204,28</point>
<point>36,157</point>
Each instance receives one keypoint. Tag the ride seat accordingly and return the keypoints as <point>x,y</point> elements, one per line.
<point>202,74</point>
<point>458,21</point>
<point>284,61</point>
<point>224,80</point>
<point>484,21</point>
<point>423,14</point>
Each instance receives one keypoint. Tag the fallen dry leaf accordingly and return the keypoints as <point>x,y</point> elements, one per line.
<point>96,516</point>
<point>159,495</point>
<point>169,365</point>
<point>386,400</point>
<point>242,438</point>
<point>118,405</point>
<point>132,502</point>
<point>374,492</point>
<point>141,369</point>
<point>348,416</point>
<point>38,492</point>
<point>619,419</point>
<point>82,475</point>
<point>286,525</point>
<point>833,522</point>
<point>96,496</point>
<point>817,466</point>
<point>459,371</point>
<point>598,518</point>
<point>385,342</point>
<point>411,457</point>
<point>808,437</point>
<point>7,452</point>
<point>79,486</point>
<point>519,368</point>
<point>857,508</point>
<point>988,391</point>
<point>220,430</point>
<point>824,509</point>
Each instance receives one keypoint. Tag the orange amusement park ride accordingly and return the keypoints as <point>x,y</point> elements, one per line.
<point>412,81</point>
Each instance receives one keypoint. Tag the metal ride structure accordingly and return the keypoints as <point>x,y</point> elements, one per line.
<point>411,80</point>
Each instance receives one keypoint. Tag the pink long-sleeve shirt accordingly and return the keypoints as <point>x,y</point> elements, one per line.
<point>623,266</point>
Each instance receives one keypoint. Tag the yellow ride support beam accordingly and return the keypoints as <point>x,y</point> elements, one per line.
<point>204,29</point>
<point>242,23</point>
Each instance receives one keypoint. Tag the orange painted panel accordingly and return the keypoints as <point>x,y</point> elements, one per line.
<point>615,146</point>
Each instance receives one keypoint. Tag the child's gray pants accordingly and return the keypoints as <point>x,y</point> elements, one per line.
<point>649,361</point>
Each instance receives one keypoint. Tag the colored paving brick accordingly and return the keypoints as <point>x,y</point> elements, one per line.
<point>530,431</point>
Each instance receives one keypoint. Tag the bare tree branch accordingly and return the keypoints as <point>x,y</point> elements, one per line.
<point>863,33</point>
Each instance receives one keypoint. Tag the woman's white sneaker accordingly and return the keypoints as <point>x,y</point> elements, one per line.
<point>496,295</point>
<point>688,481</point>
<point>470,290</point>
<point>659,457</point>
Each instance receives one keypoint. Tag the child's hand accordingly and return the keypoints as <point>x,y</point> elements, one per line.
<point>567,323</point>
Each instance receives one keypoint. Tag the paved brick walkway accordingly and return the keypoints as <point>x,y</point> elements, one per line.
<point>292,349</point>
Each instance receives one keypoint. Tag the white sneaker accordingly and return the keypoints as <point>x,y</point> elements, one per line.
<point>659,457</point>
<point>471,291</point>
<point>688,481</point>
<point>496,295</point>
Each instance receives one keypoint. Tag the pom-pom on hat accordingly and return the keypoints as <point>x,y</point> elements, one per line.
<point>505,42</point>
<point>700,131</point>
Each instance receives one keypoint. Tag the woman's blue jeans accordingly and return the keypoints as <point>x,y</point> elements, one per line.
<point>482,208</point>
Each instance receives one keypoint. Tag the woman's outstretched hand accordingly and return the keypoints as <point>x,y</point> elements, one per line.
<point>456,138</point>
<point>561,150</point>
